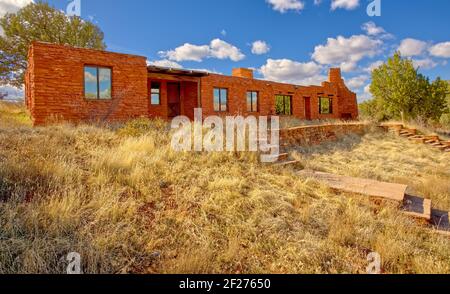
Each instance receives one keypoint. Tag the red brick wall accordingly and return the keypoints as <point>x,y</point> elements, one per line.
<point>189,98</point>
<point>161,110</point>
<point>56,85</point>
<point>55,89</point>
<point>343,100</point>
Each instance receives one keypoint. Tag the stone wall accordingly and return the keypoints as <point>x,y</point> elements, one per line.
<point>55,85</point>
<point>314,135</point>
<point>55,89</point>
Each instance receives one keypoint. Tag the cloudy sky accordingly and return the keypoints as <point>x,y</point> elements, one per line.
<point>293,41</point>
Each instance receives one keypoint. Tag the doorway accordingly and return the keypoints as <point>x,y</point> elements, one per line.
<point>307,108</point>
<point>173,99</point>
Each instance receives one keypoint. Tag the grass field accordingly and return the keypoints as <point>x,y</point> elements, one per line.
<point>128,203</point>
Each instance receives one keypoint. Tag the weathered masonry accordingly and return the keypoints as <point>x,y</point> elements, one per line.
<point>75,84</point>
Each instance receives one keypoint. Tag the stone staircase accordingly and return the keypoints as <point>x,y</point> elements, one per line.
<point>414,206</point>
<point>411,134</point>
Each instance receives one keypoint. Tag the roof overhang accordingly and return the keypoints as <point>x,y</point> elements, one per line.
<point>176,71</point>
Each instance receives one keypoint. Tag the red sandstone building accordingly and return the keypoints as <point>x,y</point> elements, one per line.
<point>75,84</point>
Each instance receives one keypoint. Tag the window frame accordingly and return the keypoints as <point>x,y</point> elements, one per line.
<point>253,104</point>
<point>97,67</point>
<point>220,99</point>
<point>330,103</point>
<point>151,92</point>
<point>284,105</point>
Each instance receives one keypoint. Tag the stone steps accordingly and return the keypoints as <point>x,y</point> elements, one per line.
<point>411,205</point>
<point>440,221</point>
<point>417,207</point>
<point>411,134</point>
<point>371,188</point>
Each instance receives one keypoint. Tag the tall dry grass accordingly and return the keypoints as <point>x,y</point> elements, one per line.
<point>128,203</point>
<point>386,157</point>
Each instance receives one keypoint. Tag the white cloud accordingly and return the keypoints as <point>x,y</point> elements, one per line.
<point>216,49</point>
<point>346,52</point>
<point>357,82</point>
<point>223,33</point>
<point>348,66</point>
<point>441,50</point>
<point>89,77</point>
<point>187,52</point>
<point>12,6</point>
<point>260,47</point>
<point>165,63</point>
<point>286,5</point>
<point>13,92</point>
<point>426,63</point>
<point>365,95</point>
<point>289,71</point>
<point>412,47</point>
<point>344,4</point>
<point>317,2</point>
<point>374,65</point>
<point>223,50</point>
<point>372,29</point>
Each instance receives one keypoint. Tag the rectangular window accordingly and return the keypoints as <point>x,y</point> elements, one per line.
<point>97,82</point>
<point>155,94</point>
<point>252,101</point>
<point>325,105</point>
<point>220,99</point>
<point>283,105</point>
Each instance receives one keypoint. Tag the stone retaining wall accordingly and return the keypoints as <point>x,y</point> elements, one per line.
<point>314,135</point>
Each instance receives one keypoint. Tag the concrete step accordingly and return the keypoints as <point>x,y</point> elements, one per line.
<point>417,207</point>
<point>431,141</point>
<point>417,140</point>
<point>440,221</point>
<point>407,135</point>
<point>432,137</point>
<point>395,192</point>
<point>409,131</point>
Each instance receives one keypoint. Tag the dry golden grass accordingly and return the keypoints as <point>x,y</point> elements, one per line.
<point>386,157</point>
<point>128,203</point>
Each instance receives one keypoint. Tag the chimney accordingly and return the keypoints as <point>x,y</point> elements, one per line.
<point>334,76</point>
<point>242,73</point>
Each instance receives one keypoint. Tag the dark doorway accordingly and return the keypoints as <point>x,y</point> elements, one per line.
<point>308,108</point>
<point>346,116</point>
<point>173,99</point>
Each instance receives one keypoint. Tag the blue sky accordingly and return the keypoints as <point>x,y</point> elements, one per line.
<point>299,39</point>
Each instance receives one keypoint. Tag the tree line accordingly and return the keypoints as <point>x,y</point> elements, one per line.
<point>400,92</point>
<point>40,22</point>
